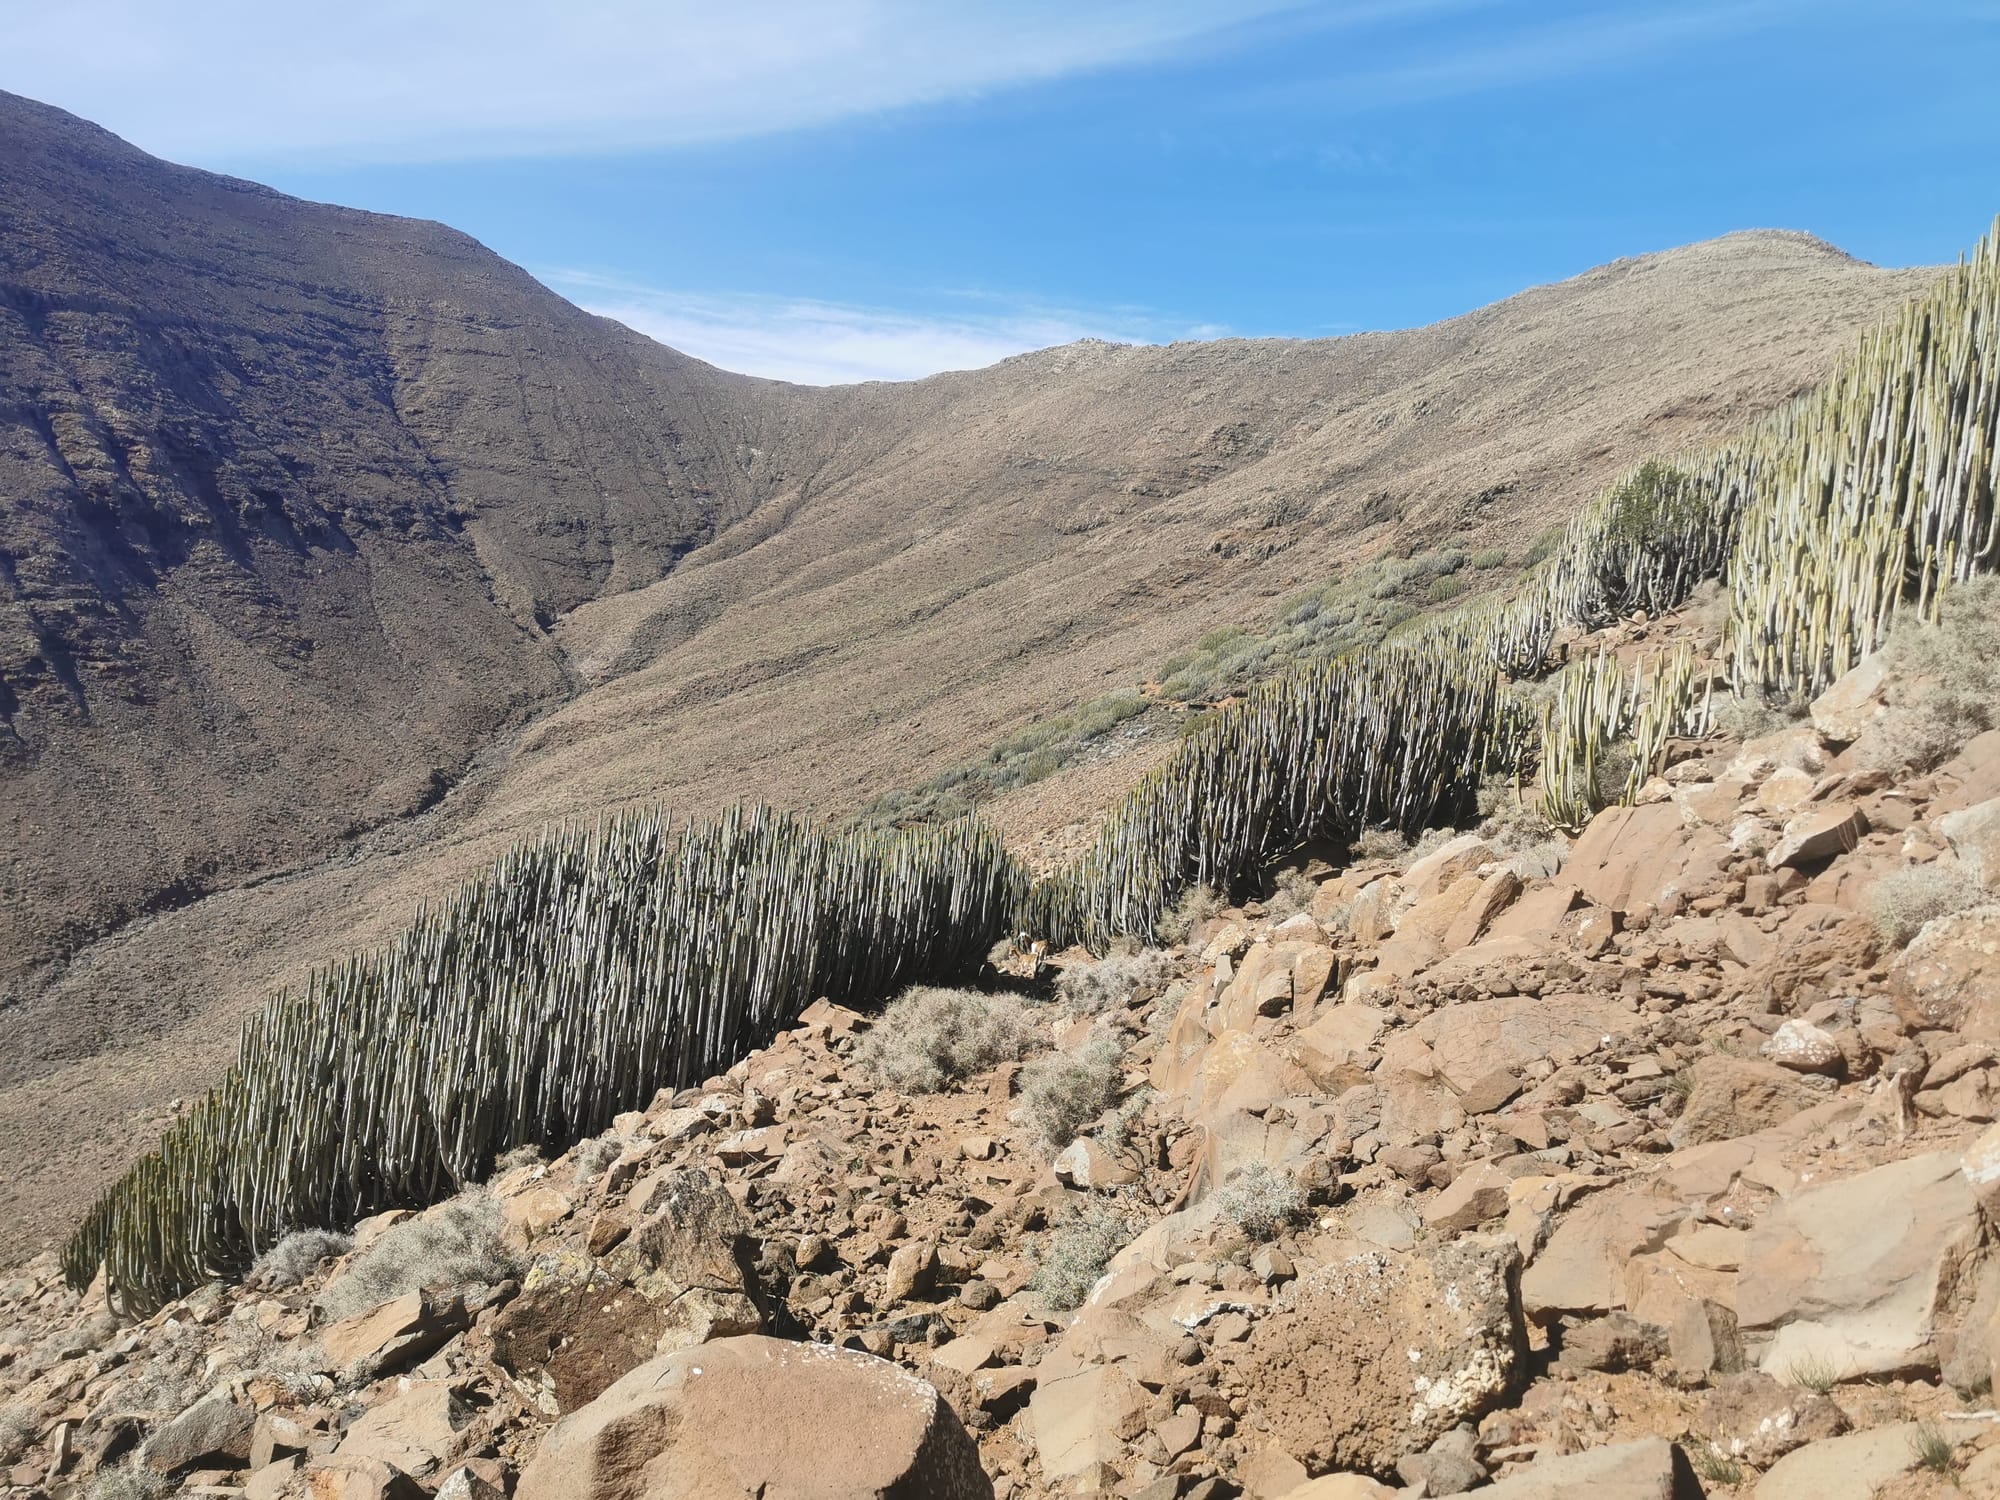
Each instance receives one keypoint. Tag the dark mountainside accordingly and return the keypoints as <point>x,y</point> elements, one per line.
<point>311,519</point>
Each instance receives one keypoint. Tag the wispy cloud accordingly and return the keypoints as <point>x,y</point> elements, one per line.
<point>249,80</point>
<point>829,343</point>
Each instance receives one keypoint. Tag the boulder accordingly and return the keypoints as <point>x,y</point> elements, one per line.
<point>1803,1048</point>
<point>389,1337</point>
<point>1974,835</point>
<point>1378,1354</point>
<point>1343,1487</point>
<point>1948,979</point>
<point>1819,833</point>
<point>416,1432</point>
<point>1752,1417</point>
<point>1859,1466</point>
<point>1581,1271</point>
<point>683,1276</point>
<point>1859,1276</point>
<point>1627,855</point>
<point>912,1272</point>
<point>1703,1341</point>
<point>1651,1469</point>
<point>1734,1096</point>
<point>214,1432</point>
<point>760,1417</point>
<point>359,1479</point>
<point>1845,710</point>
<point>1085,1417</point>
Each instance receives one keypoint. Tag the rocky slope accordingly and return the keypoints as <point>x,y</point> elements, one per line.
<point>1661,1163</point>
<point>335,553</point>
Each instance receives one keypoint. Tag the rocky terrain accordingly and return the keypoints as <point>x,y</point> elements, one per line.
<point>336,554</point>
<point>1662,1162</point>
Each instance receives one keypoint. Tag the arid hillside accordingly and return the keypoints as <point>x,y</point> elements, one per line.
<point>335,553</point>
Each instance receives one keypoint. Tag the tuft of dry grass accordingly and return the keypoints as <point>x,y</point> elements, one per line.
<point>929,1038</point>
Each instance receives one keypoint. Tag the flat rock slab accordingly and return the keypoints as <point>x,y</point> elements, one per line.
<point>1854,1467</point>
<point>1649,1470</point>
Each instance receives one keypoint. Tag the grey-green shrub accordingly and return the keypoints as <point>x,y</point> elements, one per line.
<point>1903,901</point>
<point>1064,1092</point>
<point>297,1256</point>
<point>1089,989</point>
<point>1261,1201</point>
<point>456,1245</point>
<point>929,1039</point>
<point>1076,1254</point>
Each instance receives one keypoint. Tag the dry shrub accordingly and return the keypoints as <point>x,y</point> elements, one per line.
<point>1945,681</point>
<point>1197,905</point>
<point>1380,843</point>
<point>1293,893</point>
<point>457,1245</point>
<point>1064,1092</point>
<point>1076,1255</point>
<point>594,1158</point>
<point>1092,988</point>
<point>297,1256</point>
<point>928,1038</point>
<point>1904,901</point>
<point>1261,1202</point>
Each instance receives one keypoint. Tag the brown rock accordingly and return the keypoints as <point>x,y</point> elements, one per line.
<point>1859,1466</point>
<point>1613,1343</point>
<point>1752,1417</point>
<point>360,1479</point>
<point>1803,1047</point>
<point>760,1417</point>
<point>1844,711</point>
<point>394,1335</point>
<point>1822,831</point>
<point>1085,1418</point>
<point>215,1431</point>
<point>1626,854</point>
<point>1380,1354</point>
<point>683,1276</point>
<point>1651,1469</point>
<point>1733,1096</point>
<point>1476,1196</point>
<point>1948,979</point>
<point>416,1431</point>
<point>1974,835</point>
<point>1703,1340</point>
<point>912,1273</point>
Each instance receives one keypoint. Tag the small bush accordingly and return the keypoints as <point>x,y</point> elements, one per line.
<point>1380,843</point>
<point>1946,681</point>
<point>128,1483</point>
<point>1063,1092</point>
<point>1746,719</point>
<point>1444,590</point>
<point>454,1246</point>
<point>594,1158</point>
<point>1076,1255</point>
<point>1487,558</point>
<point>1108,984</point>
<point>1509,821</point>
<point>1197,905</point>
<point>18,1429</point>
<point>1261,1202</point>
<point>929,1038</point>
<point>297,1256</point>
<point>1293,894</point>
<point>1902,902</point>
<point>528,1154</point>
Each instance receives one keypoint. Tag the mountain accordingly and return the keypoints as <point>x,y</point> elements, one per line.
<point>335,553</point>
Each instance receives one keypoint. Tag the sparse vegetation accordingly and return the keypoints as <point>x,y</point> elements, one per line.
<point>1075,1255</point>
<point>1024,757</point>
<point>1064,1092</point>
<point>18,1429</point>
<point>594,1158</point>
<point>1089,989</point>
<point>929,1039</point>
<point>527,1154</point>
<point>1904,900</point>
<point>1744,719</point>
<point>127,1482</point>
<point>1813,1372</point>
<point>297,1256</point>
<point>1946,683</point>
<point>1198,903</point>
<point>454,1246</point>
<point>1380,844</point>
<point>1933,1449</point>
<point>1713,1465</point>
<point>1261,1201</point>
<point>1292,892</point>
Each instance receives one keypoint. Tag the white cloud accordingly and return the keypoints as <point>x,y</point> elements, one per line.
<point>257,81</point>
<point>828,343</point>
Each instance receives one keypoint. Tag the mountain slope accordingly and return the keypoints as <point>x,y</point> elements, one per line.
<point>335,553</point>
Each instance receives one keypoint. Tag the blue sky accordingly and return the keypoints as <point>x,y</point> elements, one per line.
<point>846,189</point>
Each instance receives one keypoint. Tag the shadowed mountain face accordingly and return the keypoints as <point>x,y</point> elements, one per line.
<point>311,519</point>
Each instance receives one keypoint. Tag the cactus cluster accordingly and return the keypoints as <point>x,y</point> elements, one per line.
<point>593,967</point>
<point>582,973</point>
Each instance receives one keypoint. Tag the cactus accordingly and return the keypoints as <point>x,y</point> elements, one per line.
<point>597,965</point>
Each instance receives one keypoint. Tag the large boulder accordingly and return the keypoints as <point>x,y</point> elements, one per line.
<point>1379,1354</point>
<point>683,1276</point>
<point>1734,1096</point>
<point>1651,1469</point>
<point>1860,1276</point>
<point>1948,979</point>
<point>1859,1466</point>
<point>760,1417</point>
